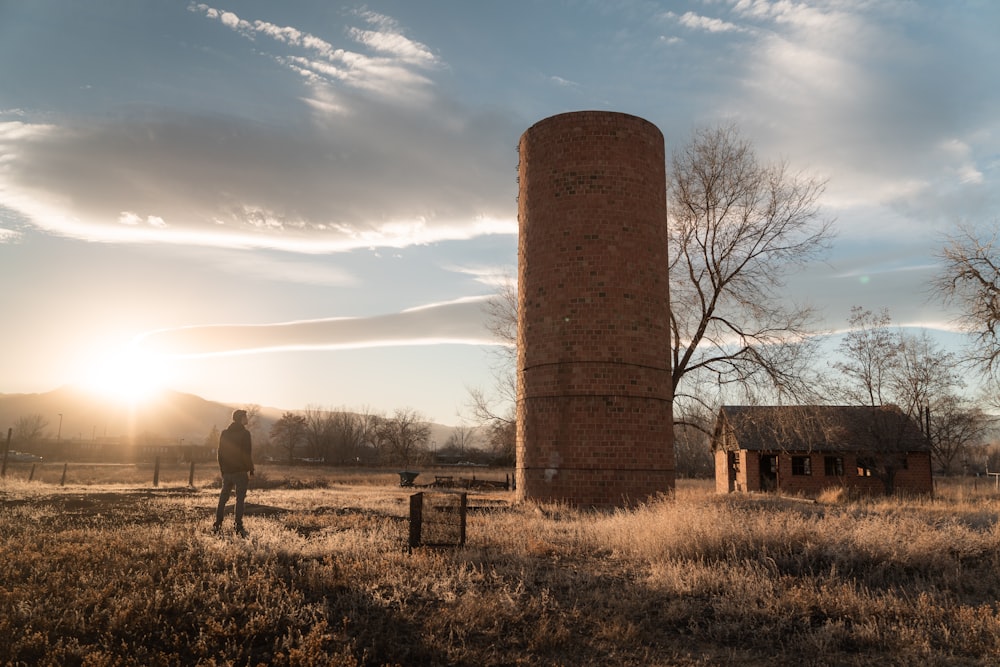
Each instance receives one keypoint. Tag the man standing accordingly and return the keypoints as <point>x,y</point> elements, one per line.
<point>236,465</point>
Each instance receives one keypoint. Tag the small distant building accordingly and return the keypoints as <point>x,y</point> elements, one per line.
<point>806,449</point>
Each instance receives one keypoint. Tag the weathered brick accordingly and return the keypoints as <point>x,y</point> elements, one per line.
<point>594,410</point>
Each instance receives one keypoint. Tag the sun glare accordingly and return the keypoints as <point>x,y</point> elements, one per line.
<point>130,376</point>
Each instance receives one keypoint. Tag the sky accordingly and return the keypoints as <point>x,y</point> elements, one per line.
<point>311,200</point>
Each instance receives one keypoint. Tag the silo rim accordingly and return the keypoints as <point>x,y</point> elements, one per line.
<point>591,112</point>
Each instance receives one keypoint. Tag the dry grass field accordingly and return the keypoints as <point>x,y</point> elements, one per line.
<point>103,571</point>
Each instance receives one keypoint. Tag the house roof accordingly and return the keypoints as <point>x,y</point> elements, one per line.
<point>828,428</point>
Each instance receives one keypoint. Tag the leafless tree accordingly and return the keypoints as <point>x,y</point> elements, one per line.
<point>369,449</point>
<point>924,373</point>
<point>693,452</point>
<point>462,438</point>
<point>956,430</point>
<point>927,380</point>
<point>402,436</point>
<point>869,353</point>
<point>348,436</point>
<point>737,229</point>
<point>336,435</point>
<point>318,435</point>
<point>882,366</point>
<point>501,319</point>
<point>29,428</point>
<point>970,280</point>
<point>495,410</point>
<point>289,433</point>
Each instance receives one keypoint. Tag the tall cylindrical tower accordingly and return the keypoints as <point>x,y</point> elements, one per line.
<point>594,417</point>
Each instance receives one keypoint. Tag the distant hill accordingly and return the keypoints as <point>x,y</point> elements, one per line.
<point>171,415</point>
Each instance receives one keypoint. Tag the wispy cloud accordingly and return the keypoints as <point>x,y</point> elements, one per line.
<point>373,156</point>
<point>493,276</point>
<point>566,83</point>
<point>393,72</point>
<point>704,23</point>
<point>456,322</point>
<point>861,98</point>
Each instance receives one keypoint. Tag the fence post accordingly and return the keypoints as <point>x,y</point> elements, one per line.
<point>65,468</point>
<point>191,476</point>
<point>32,475</point>
<point>156,472</point>
<point>463,508</point>
<point>6,448</point>
<point>416,518</point>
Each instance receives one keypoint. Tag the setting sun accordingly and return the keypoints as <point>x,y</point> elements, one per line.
<point>130,375</point>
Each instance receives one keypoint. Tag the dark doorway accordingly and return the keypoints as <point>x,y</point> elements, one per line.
<point>768,472</point>
<point>732,469</point>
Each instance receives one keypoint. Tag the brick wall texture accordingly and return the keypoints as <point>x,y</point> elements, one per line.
<point>594,418</point>
<point>915,478</point>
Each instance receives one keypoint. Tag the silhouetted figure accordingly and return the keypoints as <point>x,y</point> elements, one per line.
<point>236,465</point>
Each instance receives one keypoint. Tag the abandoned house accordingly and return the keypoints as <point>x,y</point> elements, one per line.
<point>805,449</point>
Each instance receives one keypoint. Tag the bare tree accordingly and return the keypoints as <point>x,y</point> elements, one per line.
<point>882,367</point>
<point>970,279</point>
<point>348,436</point>
<point>955,430</point>
<point>693,452</point>
<point>403,435</point>
<point>289,432</point>
<point>461,440</point>
<point>737,229</point>
<point>29,428</point>
<point>369,449</point>
<point>869,352</point>
<point>319,431</point>
<point>927,381</point>
<point>496,411</point>
<point>924,373</point>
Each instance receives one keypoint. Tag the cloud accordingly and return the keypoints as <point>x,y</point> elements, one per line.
<point>455,322</point>
<point>274,267</point>
<point>705,23</point>
<point>860,97</point>
<point>372,156</point>
<point>565,83</point>
<point>394,72</point>
<point>388,39</point>
<point>493,276</point>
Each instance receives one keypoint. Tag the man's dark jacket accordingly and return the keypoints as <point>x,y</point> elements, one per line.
<point>235,449</point>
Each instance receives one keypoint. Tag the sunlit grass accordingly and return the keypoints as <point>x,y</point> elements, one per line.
<point>129,575</point>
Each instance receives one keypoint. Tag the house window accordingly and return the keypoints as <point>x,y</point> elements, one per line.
<point>801,465</point>
<point>833,466</point>
<point>734,461</point>
<point>865,467</point>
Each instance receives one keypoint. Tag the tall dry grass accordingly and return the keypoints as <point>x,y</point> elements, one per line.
<point>97,575</point>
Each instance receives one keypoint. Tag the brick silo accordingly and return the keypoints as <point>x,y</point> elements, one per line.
<point>594,417</point>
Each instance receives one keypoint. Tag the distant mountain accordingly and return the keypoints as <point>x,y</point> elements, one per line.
<point>85,416</point>
<point>170,415</point>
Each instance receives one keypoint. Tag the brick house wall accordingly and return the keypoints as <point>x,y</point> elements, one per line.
<point>915,478</point>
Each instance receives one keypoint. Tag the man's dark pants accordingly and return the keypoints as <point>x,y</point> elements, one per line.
<point>230,480</point>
